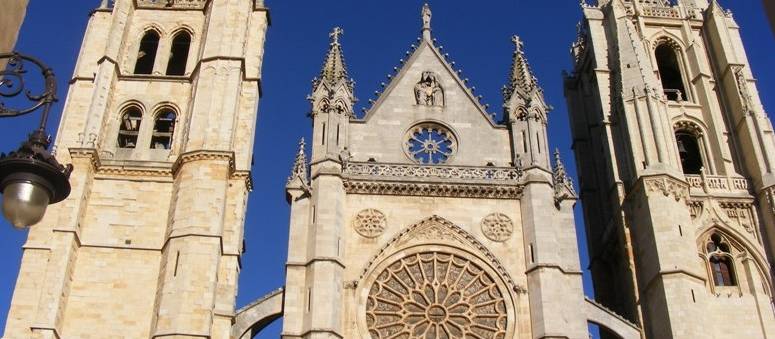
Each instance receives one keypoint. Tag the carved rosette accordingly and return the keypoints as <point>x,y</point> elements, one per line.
<point>497,227</point>
<point>370,223</point>
<point>435,295</point>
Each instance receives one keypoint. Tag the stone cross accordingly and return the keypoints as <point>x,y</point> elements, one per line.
<point>335,35</point>
<point>518,43</point>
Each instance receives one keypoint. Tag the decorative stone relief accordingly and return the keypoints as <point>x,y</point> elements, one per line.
<point>370,223</point>
<point>425,173</point>
<point>743,90</point>
<point>435,295</point>
<point>667,186</point>
<point>434,190</point>
<point>695,208</point>
<point>740,212</point>
<point>428,91</point>
<point>497,227</point>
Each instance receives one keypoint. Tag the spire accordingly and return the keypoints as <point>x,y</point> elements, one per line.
<point>563,186</point>
<point>522,80</point>
<point>299,165</point>
<point>334,68</point>
<point>426,22</point>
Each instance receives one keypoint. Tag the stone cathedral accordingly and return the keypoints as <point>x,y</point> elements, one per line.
<point>425,217</point>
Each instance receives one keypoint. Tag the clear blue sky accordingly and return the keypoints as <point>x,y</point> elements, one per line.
<point>475,33</point>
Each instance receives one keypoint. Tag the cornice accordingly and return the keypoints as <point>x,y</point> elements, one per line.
<point>482,191</point>
<point>164,170</point>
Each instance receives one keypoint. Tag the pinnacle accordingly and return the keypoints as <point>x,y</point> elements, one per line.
<point>334,67</point>
<point>299,164</point>
<point>522,79</point>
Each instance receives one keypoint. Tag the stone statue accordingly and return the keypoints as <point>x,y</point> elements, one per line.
<point>428,90</point>
<point>426,16</point>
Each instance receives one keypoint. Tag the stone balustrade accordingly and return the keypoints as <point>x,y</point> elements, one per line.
<point>718,184</point>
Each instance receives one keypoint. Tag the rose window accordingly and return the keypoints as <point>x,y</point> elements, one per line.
<point>430,144</point>
<point>434,295</point>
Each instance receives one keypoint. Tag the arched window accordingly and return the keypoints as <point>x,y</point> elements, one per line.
<point>130,126</point>
<point>670,72</point>
<point>179,54</point>
<point>146,55</point>
<point>720,259</point>
<point>163,129</point>
<point>689,151</point>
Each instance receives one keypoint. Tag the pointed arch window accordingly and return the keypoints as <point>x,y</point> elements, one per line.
<point>689,151</point>
<point>130,127</point>
<point>181,45</point>
<point>720,259</point>
<point>670,73</point>
<point>146,55</point>
<point>163,129</point>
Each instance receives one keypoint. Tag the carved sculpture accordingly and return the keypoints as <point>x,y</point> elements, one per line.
<point>428,90</point>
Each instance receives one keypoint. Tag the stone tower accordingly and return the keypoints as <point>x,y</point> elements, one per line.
<point>676,158</point>
<point>159,124</point>
<point>427,218</point>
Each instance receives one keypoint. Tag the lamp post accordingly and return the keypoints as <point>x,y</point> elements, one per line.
<point>30,178</point>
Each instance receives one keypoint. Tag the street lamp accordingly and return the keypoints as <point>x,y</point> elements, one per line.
<point>30,177</point>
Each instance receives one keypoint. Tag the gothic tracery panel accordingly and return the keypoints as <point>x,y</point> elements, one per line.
<point>430,144</point>
<point>435,295</point>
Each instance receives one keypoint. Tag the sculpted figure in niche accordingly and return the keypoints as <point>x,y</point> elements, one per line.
<point>428,91</point>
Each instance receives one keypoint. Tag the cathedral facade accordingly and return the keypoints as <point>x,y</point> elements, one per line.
<point>428,216</point>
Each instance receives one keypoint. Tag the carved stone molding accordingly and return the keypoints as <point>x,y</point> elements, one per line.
<point>668,186</point>
<point>497,227</point>
<point>421,172</point>
<point>433,190</point>
<point>369,223</point>
<point>172,4</point>
<point>120,169</point>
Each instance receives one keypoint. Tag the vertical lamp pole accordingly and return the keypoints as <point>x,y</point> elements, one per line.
<point>30,177</point>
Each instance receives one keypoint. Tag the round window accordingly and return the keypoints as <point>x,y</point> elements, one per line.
<point>430,144</point>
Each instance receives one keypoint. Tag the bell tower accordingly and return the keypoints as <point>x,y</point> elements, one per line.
<point>159,124</point>
<point>675,155</point>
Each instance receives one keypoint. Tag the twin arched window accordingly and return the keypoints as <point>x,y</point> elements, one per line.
<point>668,63</point>
<point>130,135</point>
<point>720,260</point>
<point>149,46</point>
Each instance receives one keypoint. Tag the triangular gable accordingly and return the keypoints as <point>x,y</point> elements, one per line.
<point>401,77</point>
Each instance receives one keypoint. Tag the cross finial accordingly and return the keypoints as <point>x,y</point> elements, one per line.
<point>335,35</point>
<point>518,43</point>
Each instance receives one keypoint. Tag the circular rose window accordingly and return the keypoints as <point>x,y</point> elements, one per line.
<point>430,144</point>
<point>435,295</point>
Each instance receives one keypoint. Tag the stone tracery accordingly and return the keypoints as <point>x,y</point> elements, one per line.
<point>435,295</point>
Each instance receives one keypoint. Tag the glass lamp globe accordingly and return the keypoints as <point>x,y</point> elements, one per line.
<point>24,203</point>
